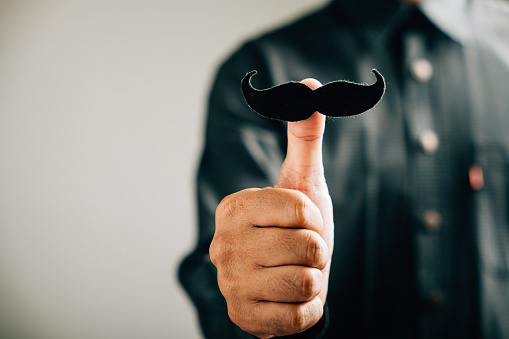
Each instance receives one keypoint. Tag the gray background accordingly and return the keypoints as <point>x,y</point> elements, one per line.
<point>101,119</point>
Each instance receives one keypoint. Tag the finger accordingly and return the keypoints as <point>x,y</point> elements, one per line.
<point>290,283</point>
<point>281,319</point>
<point>279,247</point>
<point>303,165</point>
<point>270,207</point>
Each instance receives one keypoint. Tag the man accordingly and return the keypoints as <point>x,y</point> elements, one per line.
<point>416,241</point>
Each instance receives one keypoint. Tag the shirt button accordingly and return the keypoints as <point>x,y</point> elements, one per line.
<point>429,141</point>
<point>432,220</point>
<point>421,69</point>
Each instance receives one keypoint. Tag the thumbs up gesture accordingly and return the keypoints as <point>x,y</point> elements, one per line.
<point>273,246</point>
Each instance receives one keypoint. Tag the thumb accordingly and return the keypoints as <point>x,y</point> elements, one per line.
<point>303,167</point>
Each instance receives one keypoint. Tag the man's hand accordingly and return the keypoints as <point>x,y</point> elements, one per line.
<point>273,246</point>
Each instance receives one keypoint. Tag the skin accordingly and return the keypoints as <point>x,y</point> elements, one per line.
<point>272,247</point>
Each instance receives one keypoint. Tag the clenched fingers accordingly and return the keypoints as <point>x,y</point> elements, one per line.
<point>286,284</point>
<point>266,319</point>
<point>270,207</point>
<point>278,246</point>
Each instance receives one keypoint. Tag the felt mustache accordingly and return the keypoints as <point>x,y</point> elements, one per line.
<point>294,101</point>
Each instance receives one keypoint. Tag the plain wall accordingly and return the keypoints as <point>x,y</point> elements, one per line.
<point>102,105</point>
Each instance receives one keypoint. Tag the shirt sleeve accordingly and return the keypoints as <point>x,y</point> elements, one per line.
<point>242,150</point>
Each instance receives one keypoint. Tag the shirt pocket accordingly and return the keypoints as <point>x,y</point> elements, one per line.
<point>491,205</point>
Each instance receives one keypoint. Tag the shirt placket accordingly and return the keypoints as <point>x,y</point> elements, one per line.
<point>426,214</point>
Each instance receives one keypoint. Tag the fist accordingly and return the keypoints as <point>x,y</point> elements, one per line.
<point>272,247</point>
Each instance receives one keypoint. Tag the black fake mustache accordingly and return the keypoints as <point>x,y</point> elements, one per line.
<point>294,101</point>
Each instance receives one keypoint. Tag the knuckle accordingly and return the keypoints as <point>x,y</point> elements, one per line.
<point>215,252</point>
<point>299,212</point>
<point>316,251</point>
<point>241,313</point>
<point>299,318</point>
<point>309,283</point>
<point>229,207</point>
<point>243,318</point>
<point>231,287</point>
<point>304,212</point>
<point>221,251</point>
<point>225,244</point>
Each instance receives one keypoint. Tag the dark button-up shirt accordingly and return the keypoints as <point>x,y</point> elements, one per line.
<point>419,183</point>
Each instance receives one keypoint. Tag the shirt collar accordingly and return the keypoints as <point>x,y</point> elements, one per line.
<point>378,20</point>
<point>450,16</point>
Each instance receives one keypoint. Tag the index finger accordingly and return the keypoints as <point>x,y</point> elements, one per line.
<point>281,207</point>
